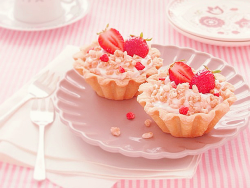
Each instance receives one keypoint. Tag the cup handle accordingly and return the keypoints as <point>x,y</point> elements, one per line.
<point>67,1</point>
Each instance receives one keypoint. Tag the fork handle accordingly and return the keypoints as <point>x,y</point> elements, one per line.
<point>39,171</point>
<point>7,115</point>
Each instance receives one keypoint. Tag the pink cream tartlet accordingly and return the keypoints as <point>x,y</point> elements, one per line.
<point>120,76</point>
<point>182,110</point>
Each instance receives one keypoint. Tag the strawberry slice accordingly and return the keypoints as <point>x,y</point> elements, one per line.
<point>180,72</point>
<point>111,40</point>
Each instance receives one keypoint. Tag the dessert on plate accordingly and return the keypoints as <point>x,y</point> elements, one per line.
<point>186,102</point>
<point>114,67</point>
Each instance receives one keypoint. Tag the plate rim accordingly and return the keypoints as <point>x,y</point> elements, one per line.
<point>207,40</point>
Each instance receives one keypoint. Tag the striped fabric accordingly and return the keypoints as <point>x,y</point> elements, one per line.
<point>23,54</point>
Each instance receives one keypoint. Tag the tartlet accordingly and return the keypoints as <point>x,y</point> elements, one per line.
<point>181,109</point>
<point>116,76</point>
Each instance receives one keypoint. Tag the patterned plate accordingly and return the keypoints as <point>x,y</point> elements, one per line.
<point>223,20</point>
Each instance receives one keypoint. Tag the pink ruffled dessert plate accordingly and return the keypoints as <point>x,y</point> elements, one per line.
<point>91,117</point>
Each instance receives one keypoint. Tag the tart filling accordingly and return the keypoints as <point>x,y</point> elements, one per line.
<point>119,65</point>
<point>168,96</point>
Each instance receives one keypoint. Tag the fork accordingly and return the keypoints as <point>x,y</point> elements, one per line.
<point>40,88</point>
<point>42,115</point>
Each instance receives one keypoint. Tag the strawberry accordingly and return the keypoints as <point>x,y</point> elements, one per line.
<point>137,46</point>
<point>179,72</point>
<point>111,40</point>
<point>204,80</point>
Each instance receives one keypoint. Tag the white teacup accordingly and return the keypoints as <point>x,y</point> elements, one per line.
<point>38,11</point>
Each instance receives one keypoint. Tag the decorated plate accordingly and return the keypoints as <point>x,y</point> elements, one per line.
<point>223,20</point>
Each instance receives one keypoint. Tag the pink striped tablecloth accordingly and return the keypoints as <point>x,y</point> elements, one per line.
<point>23,54</point>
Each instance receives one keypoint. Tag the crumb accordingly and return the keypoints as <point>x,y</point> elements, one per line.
<point>115,131</point>
<point>148,135</point>
<point>147,122</point>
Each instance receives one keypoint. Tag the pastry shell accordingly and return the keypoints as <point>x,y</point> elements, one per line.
<point>179,125</point>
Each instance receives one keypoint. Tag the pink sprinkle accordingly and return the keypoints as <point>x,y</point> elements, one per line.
<point>121,69</point>
<point>130,115</point>
<point>162,79</point>
<point>104,58</point>
<point>139,66</point>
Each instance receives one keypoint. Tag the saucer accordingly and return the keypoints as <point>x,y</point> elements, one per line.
<point>221,20</point>
<point>73,12</point>
<point>210,41</point>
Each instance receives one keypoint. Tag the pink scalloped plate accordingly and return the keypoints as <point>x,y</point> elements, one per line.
<point>91,117</point>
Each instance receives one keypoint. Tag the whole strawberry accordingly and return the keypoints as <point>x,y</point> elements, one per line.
<point>111,40</point>
<point>204,80</point>
<point>137,46</point>
<point>180,72</point>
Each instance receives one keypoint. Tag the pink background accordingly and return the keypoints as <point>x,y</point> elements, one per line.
<point>23,54</point>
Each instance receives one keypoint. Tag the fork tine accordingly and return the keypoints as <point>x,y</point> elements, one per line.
<point>54,82</point>
<point>43,76</point>
<point>50,106</point>
<point>49,78</point>
<point>42,104</point>
<point>34,106</point>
